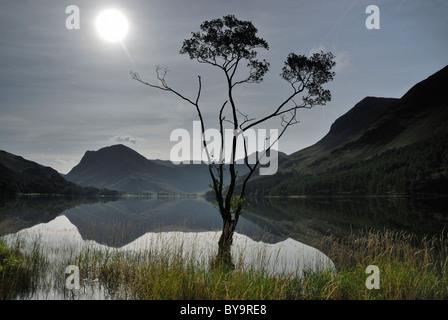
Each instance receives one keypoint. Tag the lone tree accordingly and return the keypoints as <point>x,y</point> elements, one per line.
<point>230,44</point>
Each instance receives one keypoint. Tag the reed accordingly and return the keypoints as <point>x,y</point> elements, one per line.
<point>410,268</point>
<point>407,271</point>
<point>20,271</point>
<point>146,275</point>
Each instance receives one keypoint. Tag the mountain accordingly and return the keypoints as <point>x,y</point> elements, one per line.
<point>121,168</point>
<point>115,167</point>
<point>20,175</point>
<point>316,158</point>
<point>380,146</point>
<point>355,120</point>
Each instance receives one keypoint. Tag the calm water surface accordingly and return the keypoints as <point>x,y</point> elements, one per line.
<point>287,228</point>
<point>120,221</point>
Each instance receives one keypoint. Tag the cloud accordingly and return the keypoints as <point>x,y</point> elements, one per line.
<point>124,139</point>
<point>344,63</point>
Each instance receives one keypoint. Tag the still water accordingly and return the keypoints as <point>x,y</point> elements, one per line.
<point>283,231</point>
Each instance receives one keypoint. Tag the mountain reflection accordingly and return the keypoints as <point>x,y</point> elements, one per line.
<point>117,222</point>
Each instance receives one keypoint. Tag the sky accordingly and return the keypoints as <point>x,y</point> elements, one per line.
<point>65,91</point>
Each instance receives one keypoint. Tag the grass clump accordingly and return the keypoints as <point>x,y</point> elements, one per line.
<point>146,275</point>
<point>409,268</point>
<point>19,272</point>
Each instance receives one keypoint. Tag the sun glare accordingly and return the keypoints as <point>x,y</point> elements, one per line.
<point>112,25</point>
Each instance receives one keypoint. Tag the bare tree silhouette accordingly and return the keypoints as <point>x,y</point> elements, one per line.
<point>230,44</point>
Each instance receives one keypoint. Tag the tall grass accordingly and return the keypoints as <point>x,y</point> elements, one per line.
<point>20,272</point>
<point>410,268</point>
<point>167,276</point>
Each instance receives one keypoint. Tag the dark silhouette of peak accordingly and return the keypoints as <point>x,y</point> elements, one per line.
<point>342,131</point>
<point>18,166</point>
<point>21,175</point>
<point>429,89</point>
<point>109,160</point>
<point>356,120</point>
<point>120,168</point>
<point>414,117</point>
<point>381,145</point>
<point>112,154</point>
<point>117,167</point>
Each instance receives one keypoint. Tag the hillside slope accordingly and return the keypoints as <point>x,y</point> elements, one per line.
<point>401,150</point>
<point>121,168</point>
<point>316,157</point>
<point>18,175</point>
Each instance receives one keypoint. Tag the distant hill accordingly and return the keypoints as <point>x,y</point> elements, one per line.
<point>381,146</point>
<point>121,168</point>
<point>18,175</point>
<point>118,167</point>
<point>318,157</point>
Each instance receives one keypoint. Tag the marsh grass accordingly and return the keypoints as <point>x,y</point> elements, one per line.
<point>20,272</point>
<point>410,268</point>
<point>149,275</point>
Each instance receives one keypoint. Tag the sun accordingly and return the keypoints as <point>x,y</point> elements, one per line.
<point>112,25</point>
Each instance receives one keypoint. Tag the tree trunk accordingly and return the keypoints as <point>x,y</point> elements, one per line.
<point>224,257</point>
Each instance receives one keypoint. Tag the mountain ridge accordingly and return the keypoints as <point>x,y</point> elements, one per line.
<point>19,175</point>
<point>343,128</point>
<point>118,167</point>
<point>124,169</point>
<point>402,150</point>
<point>121,168</point>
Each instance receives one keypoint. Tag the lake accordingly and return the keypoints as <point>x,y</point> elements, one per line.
<point>284,232</point>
